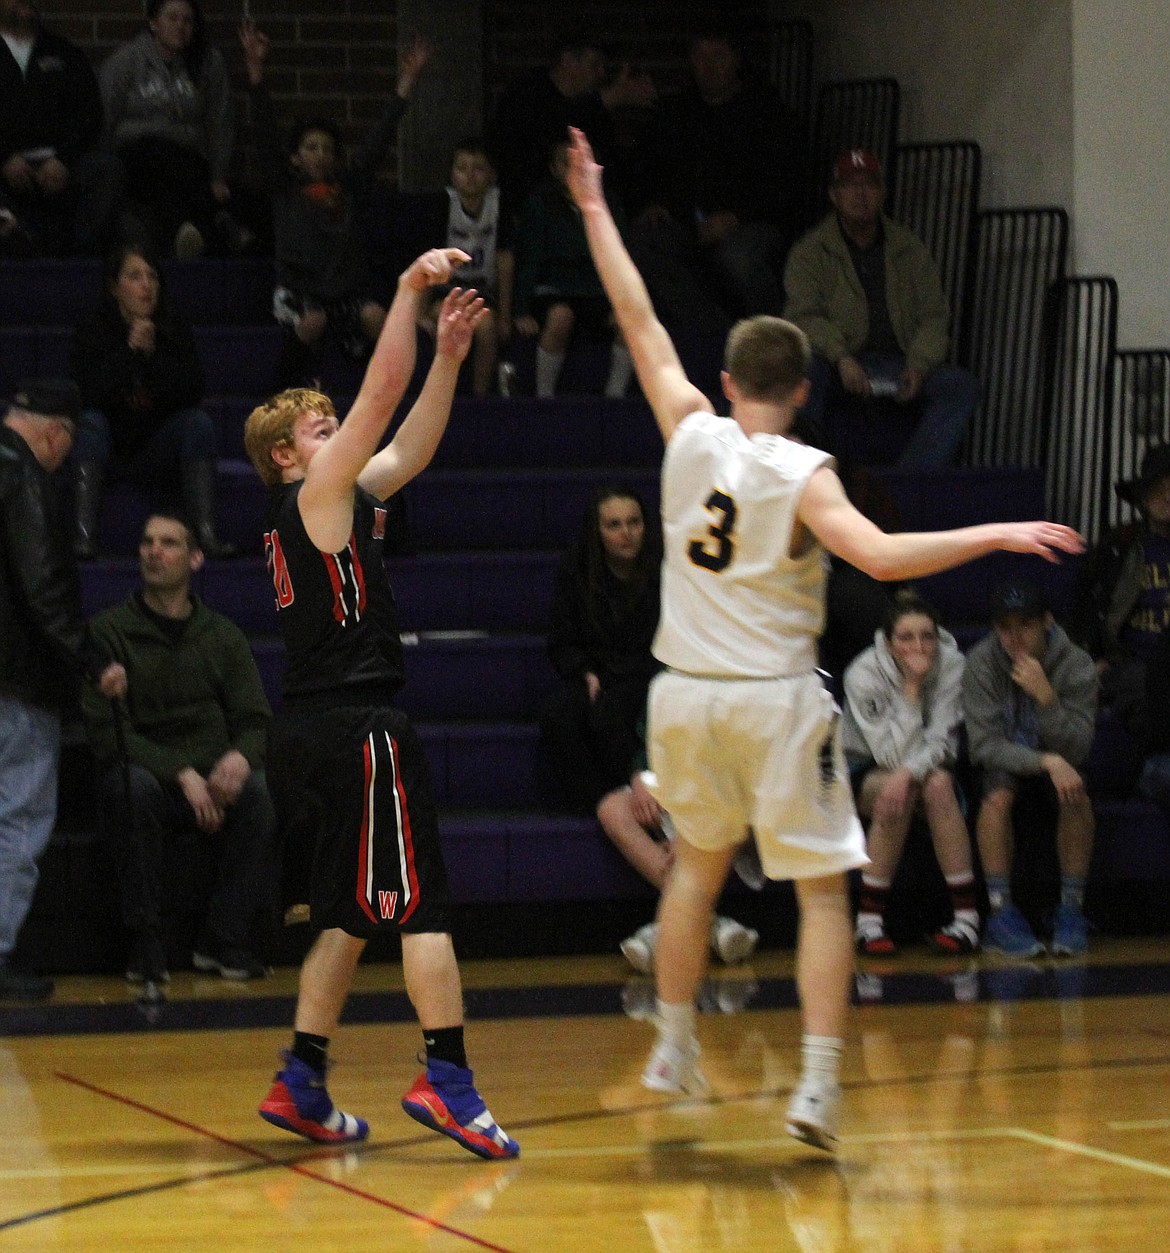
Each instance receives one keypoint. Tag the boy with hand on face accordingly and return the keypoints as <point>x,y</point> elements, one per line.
<point>1030,705</point>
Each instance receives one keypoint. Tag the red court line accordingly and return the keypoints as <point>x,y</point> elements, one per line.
<point>250,1151</point>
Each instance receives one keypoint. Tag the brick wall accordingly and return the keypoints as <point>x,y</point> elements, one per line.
<point>337,57</point>
<point>329,57</point>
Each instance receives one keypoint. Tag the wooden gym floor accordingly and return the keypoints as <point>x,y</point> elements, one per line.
<point>990,1106</point>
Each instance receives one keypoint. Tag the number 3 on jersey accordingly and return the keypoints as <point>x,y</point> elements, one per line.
<point>716,556</point>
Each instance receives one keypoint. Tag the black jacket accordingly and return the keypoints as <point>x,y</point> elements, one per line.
<point>137,393</point>
<point>45,647</point>
<point>56,105</point>
<point>606,630</point>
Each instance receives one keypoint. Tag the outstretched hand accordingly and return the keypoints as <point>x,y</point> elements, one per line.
<point>461,313</point>
<point>584,176</point>
<point>1043,539</point>
<point>433,268</point>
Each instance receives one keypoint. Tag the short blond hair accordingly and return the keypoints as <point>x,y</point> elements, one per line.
<point>766,357</point>
<point>271,424</point>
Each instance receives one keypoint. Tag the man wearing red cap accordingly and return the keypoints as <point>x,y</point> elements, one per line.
<point>866,292</point>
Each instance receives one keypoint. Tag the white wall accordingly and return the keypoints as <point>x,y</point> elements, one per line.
<point>996,71</point>
<point>1068,99</point>
<point>1121,202</point>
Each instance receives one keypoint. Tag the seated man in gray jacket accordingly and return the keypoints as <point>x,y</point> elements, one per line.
<point>867,293</point>
<point>1030,702</point>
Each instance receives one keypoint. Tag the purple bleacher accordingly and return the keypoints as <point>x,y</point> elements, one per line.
<point>108,582</point>
<point>568,431</point>
<point>214,291</point>
<point>242,591</point>
<point>229,413</point>
<point>491,765</point>
<point>476,850</point>
<point>47,292</point>
<point>502,591</point>
<point>54,292</point>
<point>1132,842</point>
<point>486,677</point>
<point>559,857</point>
<point>960,496</point>
<point>511,508</point>
<point>27,351</point>
<point>239,360</point>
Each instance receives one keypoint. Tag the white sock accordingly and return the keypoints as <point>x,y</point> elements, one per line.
<point>676,1023</point>
<point>621,368</point>
<point>820,1058</point>
<point>548,370</point>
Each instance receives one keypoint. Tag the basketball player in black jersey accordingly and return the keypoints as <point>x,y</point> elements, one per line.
<point>342,757</point>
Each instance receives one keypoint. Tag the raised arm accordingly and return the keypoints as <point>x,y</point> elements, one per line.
<point>826,511</point>
<point>665,384</point>
<point>326,500</point>
<point>415,441</point>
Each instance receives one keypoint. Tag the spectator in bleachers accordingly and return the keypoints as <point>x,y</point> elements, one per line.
<point>867,293</point>
<point>603,618</point>
<point>62,192</point>
<point>900,731</point>
<point>169,117</point>
<point>730,166</point>
<point>558,292</point>
<point>475,224</point>
<point>1121,605</point>
<point>45,651</point>
<point>642,832</point>
<point>141,382</point>
<point>196,721</point>
<point>537,110</point>
<point>324,282</point>
<point>1030,705</point>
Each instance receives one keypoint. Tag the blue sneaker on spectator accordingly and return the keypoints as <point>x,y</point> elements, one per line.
<point>1070,932</point>
<point>1007,931</point>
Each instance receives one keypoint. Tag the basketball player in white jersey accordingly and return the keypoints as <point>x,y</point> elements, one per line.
<point>742,732</point>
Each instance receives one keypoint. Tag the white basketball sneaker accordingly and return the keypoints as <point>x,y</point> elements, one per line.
<point>672,1068</point>
<point>812,1114</point>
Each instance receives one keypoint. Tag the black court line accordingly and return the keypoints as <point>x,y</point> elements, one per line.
<point>264,1161</point>
<point>267,1161</point>
<point>968,983</point>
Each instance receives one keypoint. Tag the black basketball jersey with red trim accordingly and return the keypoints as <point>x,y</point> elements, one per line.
<point>336,610</point>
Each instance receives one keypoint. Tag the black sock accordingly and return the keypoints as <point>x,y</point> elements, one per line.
<point>445,1044</point>
<point>313,1050</point>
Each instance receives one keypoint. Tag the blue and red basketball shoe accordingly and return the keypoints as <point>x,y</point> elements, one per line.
<point>298,1102</point>
<point>444,1098</point>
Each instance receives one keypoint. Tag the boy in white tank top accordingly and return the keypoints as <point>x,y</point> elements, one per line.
<point>742,732</point>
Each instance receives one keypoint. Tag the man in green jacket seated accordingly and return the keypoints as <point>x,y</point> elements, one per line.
<point>866,292</point>
<point>194,728</point>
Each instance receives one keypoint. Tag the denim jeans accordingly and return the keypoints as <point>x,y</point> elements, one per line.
<point>925,434</point>
<point>30,748</point>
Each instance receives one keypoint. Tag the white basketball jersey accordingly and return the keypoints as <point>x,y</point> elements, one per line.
<point>477,238</point>
<point>734,603</point>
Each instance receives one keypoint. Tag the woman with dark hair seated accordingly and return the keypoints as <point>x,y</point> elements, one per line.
<point>604,615</point>
<point>141,382</point>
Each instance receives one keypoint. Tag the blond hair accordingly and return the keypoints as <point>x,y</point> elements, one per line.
<point>270,425</point>
<point>766,357</point>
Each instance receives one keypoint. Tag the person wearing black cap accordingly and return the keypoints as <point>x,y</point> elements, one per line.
<point>45,650</point>
<point>1030,705</point>
<point>1122,604</point>
<point>867,293</point>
